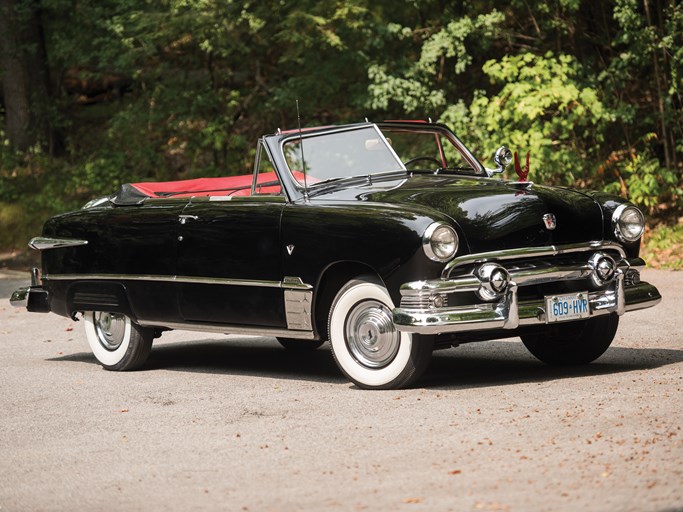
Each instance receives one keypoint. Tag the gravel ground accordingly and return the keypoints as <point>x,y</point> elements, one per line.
<point>238,423</point>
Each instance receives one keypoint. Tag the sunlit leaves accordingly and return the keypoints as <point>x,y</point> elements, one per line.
<point>451,41</point>
<point>542,106</point>
<point>442,52</point>
<point>573,82</point>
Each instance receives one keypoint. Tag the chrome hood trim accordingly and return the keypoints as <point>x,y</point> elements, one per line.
<point>530,252</point>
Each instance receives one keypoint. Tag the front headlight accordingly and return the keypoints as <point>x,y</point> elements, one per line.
<point>628,223</point>
<point>440,242</point>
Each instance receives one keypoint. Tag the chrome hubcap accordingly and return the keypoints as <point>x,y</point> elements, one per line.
<point>110,329</point>
<point>370,334</point>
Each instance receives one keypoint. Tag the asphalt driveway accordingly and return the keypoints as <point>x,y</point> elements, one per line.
<point>238,423</point>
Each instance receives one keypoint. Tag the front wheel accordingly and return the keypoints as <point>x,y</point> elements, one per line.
<point>573,343</point>
<point>118,343</point>
<point>366,345</point>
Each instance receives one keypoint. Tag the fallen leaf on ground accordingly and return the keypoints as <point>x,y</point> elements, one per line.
<point>412,500</point>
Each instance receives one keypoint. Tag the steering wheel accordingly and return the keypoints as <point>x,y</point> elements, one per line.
<point>425,158</point>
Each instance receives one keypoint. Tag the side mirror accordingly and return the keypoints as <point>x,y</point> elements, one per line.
<point>502,157</point>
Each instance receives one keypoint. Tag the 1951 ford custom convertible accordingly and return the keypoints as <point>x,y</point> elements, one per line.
<point>389,240</point>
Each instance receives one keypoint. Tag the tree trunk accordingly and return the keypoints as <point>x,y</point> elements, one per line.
<point>14,80</point>
<point>663,135</point>
<point>25,77</point>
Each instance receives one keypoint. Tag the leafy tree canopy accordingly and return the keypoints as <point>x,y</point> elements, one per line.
<point>145,90</point>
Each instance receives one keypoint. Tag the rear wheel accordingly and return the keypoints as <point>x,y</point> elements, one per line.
<point>117,342</point>
<point>573,342</point>
<point>366,345</point>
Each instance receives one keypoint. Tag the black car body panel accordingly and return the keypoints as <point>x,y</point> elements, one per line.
<point>497,215</point>
<point>267,254</point>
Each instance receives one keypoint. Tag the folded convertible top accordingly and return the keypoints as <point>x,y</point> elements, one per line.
<point>136,193</point>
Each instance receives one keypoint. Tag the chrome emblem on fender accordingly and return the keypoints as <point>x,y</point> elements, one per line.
<point>550,221</point>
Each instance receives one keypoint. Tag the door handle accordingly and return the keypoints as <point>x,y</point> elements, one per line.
<point>184,218</point>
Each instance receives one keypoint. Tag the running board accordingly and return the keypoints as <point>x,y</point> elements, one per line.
<point>231,329</point>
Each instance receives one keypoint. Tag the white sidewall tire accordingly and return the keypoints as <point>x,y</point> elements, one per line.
<point>108,358</point>
<point>344,303</point>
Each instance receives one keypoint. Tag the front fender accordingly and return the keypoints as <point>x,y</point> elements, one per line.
<point>383,237</point>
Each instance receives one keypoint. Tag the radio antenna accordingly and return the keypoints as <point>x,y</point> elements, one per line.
<point>301,146</point>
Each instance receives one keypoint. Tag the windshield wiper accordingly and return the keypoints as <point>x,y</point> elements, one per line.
<point>331,183</point>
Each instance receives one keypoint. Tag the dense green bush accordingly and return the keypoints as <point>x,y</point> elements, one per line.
<point>177,89</point>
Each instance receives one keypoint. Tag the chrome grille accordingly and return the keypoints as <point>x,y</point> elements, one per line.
<point>415,301</point>
<point>421,301</point>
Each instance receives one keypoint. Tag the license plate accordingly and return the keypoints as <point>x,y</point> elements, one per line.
<point>561,308</point>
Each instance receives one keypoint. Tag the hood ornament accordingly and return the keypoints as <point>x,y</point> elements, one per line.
<point>522,173</point>
<point>550,221</point>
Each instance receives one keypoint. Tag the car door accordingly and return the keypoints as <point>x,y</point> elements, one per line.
<point>230,256</point>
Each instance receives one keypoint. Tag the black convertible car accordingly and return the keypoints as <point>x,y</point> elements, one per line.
<point>390,240</point>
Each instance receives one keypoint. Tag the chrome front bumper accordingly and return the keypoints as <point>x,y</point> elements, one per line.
<point>508,312</point>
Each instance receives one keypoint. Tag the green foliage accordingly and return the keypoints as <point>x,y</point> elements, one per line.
<point>640,176</point>
<point>543,106</point>
<point>642,87</point>
<point>672,45</point>
<point>177,89</point>
<point>16,224</point>
<point>450,42</point>
<point>422,85</point>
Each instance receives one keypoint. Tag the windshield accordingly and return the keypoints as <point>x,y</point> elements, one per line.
<point>366,150</point>
<point>342,154</point>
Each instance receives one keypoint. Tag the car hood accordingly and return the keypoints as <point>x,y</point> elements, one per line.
<point>495,214</point>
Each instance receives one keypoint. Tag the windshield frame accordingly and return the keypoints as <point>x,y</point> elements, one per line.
<point>296,136</point>
<point>297,191</point>
<point>439,129</point>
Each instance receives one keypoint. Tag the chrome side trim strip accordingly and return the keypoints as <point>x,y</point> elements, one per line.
<point>230,329</point>
<point>288,283</point>
<point>161,278</point>
<point>530,252</point>
<point>40,243</point>
<point>295,283</point>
